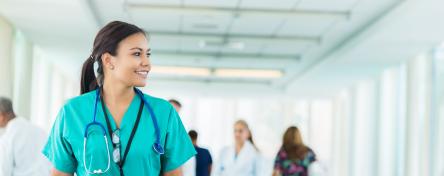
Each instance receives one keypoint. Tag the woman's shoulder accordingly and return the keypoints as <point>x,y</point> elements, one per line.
<point>163,109</point>
<point>81,100</point>
<point>310,155</point>
<point>281,154</point>
<point>79,105</point>
<point>155,100</point>
<point>309,150</point>
<point>251,148</point>
<point>226,149</point>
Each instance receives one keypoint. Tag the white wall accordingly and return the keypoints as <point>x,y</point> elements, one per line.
<point>15,67</point>
<point>22,61</point>
<point>6,71</point>
<point>388,121</point>
<point>438,114</point>
<point>418,115</point>
<point>385,126</point>
<point>364,131</point>
<point>52,86</point>
<point>342,108</point>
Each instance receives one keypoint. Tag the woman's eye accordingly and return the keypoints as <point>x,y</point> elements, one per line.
<point>148,54</point>
<point>137,54</point>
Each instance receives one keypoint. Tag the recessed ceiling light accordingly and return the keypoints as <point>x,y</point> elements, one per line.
<point>441,46</point>
<point>249,73</point>
<point>231,45</point>
<point>205,26</point>
<point>181,71</point>
<point>236,45</point>
<point>220,72</point>
<point>202,44</point>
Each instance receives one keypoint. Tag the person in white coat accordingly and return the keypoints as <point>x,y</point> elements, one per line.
<point>20,145</point>
<point>243,158</point>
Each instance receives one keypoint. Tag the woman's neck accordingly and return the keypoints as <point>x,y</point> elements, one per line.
<point>117,98</point>
<point>117,94</point>
<point>239,146</point>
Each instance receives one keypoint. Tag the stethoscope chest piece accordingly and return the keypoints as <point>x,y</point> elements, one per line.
<point>158,148</point>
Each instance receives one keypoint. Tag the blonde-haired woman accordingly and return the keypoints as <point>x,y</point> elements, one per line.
<point>294,157</point>
<point>243,158</point>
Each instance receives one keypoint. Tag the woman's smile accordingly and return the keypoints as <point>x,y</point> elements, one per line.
<point>142,73</point>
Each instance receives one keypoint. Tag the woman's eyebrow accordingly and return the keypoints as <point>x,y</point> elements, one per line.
<point>140,49</point>
<point>137,48</point>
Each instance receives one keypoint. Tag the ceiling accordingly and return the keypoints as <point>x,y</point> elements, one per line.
<point>403,33</point>
<point>289,36</point>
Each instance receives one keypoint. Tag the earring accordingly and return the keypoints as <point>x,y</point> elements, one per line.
<point>112,67</point>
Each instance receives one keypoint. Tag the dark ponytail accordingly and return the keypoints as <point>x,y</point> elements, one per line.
<point>89,81</point>
<point>106,41</point>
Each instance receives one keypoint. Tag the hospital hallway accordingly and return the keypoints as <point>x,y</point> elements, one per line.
<point>362,80</point>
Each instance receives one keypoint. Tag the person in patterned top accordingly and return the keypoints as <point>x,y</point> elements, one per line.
<point>293,157</point>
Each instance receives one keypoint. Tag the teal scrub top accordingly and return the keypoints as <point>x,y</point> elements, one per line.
<point>65,144</point>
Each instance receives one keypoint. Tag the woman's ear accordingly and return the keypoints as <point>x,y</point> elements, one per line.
<point>107,61</point>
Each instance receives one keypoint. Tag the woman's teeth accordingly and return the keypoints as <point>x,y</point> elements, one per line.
<point>142,73</point>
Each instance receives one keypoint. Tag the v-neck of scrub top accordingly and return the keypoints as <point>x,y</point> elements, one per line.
<point>127,123</point>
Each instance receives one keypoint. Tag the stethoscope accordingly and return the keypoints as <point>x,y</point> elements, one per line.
<point>156,146</point>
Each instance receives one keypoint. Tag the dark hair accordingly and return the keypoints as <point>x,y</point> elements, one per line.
<point>175,102</point>
<point>293,144</point>
<point>6,107</point>
<point>193,135</point>
<point>106,41</point>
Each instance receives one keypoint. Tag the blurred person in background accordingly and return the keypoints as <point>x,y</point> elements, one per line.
<point>204,160</point>
<point>294,157</point>
<point>176,104</point>
<point>20,145</point>
<point>243,158</point>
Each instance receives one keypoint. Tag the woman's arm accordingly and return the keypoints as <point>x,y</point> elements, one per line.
<point>55,172</point>
<point>176,172</point>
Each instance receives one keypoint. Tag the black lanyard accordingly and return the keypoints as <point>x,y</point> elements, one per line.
<point>130,140</point>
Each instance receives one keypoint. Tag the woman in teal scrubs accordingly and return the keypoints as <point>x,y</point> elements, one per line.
<point>112,128</point>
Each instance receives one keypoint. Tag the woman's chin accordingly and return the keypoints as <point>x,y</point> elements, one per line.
<point>140,84</point>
